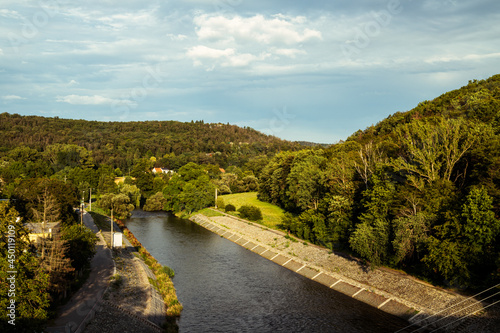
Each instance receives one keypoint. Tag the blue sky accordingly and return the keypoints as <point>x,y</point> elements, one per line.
<point>301,70</point>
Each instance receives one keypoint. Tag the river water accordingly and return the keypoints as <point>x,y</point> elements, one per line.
<point>226,288</point>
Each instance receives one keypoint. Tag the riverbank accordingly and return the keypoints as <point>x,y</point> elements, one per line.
<point>390,291</point>
<point>140,289</point>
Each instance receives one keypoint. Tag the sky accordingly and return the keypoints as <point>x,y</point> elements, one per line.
<point>300,70</point>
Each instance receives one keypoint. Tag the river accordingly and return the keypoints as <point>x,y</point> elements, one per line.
<point>226,288</point>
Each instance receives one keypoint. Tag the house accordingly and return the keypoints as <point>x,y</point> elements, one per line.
<point>39,231</point>
<point>162,170</point>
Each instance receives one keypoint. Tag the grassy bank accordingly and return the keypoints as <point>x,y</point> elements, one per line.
<point>271,214</point>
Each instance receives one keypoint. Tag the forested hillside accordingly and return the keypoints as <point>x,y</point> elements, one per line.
<point>418,191</point>
<point>118,144</point>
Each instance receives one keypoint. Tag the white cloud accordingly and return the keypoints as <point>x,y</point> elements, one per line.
<point>201,51</point>
<point>10,14</point>
<point>12,97</point>
<point>1,52</point>
<point>72,83</point>
<point>238,41</point>
<point>229,56</point>
<point>291,53</point>
<point>93,100</point>
<point>277,30</point>
<point>179,37</point>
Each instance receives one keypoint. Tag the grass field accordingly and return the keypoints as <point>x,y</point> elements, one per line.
<point>271,214</point>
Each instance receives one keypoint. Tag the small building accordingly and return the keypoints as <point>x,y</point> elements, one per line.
<point>38,231</point>
<point>162,170</point>
<point>117,239</point>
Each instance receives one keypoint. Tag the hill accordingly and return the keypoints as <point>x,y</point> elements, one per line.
<point>118,143</point>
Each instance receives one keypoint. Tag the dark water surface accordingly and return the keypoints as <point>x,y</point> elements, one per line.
<point>226,288</point>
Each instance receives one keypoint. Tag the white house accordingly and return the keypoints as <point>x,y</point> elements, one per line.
<point>162,170</point>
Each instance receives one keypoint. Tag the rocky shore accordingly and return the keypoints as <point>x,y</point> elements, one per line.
<point>391,291</point>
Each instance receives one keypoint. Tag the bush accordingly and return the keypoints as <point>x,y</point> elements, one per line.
<point>229,208</point>
<point>251,213</point>
<point>220,203</point>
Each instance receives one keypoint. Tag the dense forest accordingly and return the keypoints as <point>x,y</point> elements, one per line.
<point>418,191</point>
<point>120,144</point>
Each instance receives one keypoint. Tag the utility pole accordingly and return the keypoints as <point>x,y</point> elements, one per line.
<point>90,200</point>
<point>215,198</point>
<point>111,237</point>
<point>81,210</point>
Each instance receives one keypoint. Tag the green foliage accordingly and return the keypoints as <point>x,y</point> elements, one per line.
<point>480,227</point>
<point>169,271</point>
<point>28,198</point>
<point>155,203</point>
<point>189,190</point>
<point>410,235</point>
<point>120,203</point>
<point>81,245</point>
<point>229,208</point>
<point>133,192</point>
<point>31,281</point>
<point>220,203</point>
<point>251,213</point>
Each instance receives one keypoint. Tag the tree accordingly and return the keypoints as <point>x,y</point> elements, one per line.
<point>432,149</point>
<point>480,226</point>
<point>31,281</point>
<point>371,237</point>
<point>410,235</point>
<point>133,192</point>
<point>463,246</point>
<point>29,192</point>
<point>81,245</point>
<point>305,179</point>
<point>57,264</point>
<point>49,213</point>
<point>120,203</point>
<point>155,203</point>
<point>370,156</point>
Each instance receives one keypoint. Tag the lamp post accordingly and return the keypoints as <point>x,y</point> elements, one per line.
<point>90,200</point>
<point>111,235</point>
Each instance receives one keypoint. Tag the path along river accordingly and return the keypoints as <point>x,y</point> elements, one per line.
<point>226,288</point>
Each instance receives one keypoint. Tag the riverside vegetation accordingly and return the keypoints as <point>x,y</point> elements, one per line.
<point>418,191</point>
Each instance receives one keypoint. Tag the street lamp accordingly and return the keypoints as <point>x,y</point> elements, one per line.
<point>90,200</point>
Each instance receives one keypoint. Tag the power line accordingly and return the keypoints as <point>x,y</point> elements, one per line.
<point>470,314</point>
<point>477,302</point>
<point>465,300</point>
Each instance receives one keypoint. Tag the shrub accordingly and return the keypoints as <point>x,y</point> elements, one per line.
<point>220,203</point>
<point>251,213</point>
<point>230,208</point>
